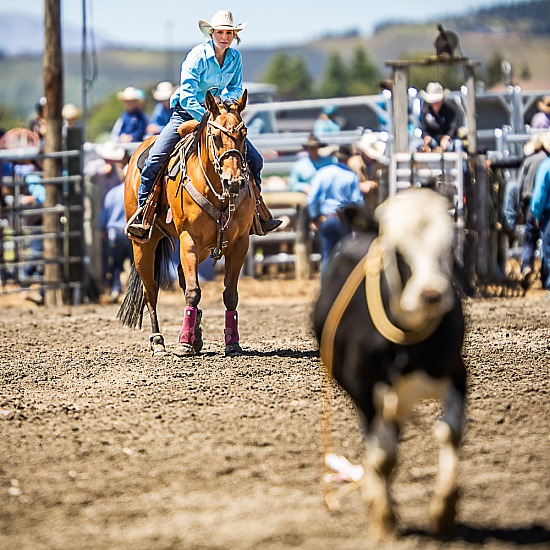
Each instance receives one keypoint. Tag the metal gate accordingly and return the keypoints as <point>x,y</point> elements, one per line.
<point>22,234</point>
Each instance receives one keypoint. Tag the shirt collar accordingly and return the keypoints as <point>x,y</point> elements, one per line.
<point>209,50</point>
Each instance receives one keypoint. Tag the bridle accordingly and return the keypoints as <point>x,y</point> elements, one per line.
<point>233,187</point>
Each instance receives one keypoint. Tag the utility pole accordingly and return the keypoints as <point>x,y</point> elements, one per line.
<point>53,87</point>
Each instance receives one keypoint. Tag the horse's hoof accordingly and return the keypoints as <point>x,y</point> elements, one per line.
<point>184,350</point>
<point>233,350</point>
<point>156,342</point>
<point>198,343</point>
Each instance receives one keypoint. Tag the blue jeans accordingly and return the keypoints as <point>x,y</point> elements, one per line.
<point>510,206</point>
<point>119,247</point>
<point>165,144</point>
<point>330,232</point>
<point>530,237</point>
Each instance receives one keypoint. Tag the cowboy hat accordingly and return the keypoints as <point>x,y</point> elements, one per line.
<point>130,94</point>
<point>313,142</point>
<point>544,104</point>
<point>533,145</point>
<point>163,91</point>
<point>434,92</point>
<point>70,112</point>
<point>344,153</point>
<point>373,145</point>
<point>221,20</point>
<point>110,151</point>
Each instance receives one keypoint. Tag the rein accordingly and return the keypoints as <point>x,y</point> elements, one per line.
<point>223,216</point>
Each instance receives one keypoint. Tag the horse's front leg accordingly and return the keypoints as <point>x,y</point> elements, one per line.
<point>234,261</point>
<point>190,337</point>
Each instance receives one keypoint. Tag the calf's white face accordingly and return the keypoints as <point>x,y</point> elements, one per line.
<point>416,224</point>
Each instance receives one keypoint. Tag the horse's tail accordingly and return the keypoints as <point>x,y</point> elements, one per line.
<point>130,312</point>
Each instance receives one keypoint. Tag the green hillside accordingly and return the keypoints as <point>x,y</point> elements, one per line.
<point>519,33</point>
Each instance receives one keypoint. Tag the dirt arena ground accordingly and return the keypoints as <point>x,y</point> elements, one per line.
<point>104,447</point>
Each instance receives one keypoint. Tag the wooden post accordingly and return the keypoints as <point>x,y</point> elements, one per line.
<point>53,87</point>
<point>400,108</point>
<point>471,109</point>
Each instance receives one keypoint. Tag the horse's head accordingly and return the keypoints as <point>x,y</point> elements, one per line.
<point>226,133</point>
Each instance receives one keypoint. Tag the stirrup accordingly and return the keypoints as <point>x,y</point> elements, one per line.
<point>138,232</point>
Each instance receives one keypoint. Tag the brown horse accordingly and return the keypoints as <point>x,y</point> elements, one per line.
<point>208,206</point>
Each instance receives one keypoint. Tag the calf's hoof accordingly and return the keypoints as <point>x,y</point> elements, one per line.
<point>184,350</point>
<point>442,513</point>
<point>233,350</point>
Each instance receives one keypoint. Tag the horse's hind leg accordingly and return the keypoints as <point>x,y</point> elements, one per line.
<point>144,260</point>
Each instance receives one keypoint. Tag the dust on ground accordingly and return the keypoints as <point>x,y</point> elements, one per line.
<point>104,447</point>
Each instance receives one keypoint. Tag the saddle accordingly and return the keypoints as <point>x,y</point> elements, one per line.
<point>170,168</point>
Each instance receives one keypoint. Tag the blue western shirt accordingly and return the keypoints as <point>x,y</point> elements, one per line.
<point>133,123</point>
<point>200,72</point>
<point>303,171</point>
<point>332,187</point>
<point>540,201</point>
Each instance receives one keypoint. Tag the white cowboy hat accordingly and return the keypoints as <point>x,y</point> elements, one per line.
<point>434,92</point>
<point>70,112</point>
<point>222,20</point>
<point>130,93</point>
<point>163,91</point>
<point>373,144</point>
<point>110,151</point>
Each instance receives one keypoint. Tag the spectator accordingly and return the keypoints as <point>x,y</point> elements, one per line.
<point>368,164</point>
<point>439,121</point>
<point>534,155</point>
<point>162,110</point>
<point>38,123</point>
<point>332,187</point>
<point>117,246</point>
<point>540,208</point>
<point>131,126</point>
<point>541,119</point>
<point>106,171</point>
<point>326,122</point>
<point>306,167</point>
<point>71,115</point>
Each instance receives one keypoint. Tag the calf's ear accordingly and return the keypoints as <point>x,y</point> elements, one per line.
<point>358,218</point>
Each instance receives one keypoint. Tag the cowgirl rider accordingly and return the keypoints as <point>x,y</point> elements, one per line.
<point>212,65</point>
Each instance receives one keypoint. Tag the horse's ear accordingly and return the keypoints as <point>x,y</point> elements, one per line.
<point>211,104</point>
<point>241,104</point>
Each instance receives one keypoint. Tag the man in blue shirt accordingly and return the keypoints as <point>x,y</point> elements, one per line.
<point>326,122</point>
<point>540,207</point>
<point>130,127</point>
<point>162,111</point>
<point>118,247</point>
<point>306,167</point>
<point>331,188</point>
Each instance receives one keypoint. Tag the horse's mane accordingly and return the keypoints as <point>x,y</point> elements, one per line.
<point>198,132</point>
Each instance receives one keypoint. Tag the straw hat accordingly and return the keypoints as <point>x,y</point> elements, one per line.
<point>110,151</point>
<point>163,91</point>
<point>533,145</point>
<point>373,145</point>
<point>130,94</point>
<point>70,112</point>
<point>222,20</point>
<point>434,92</point>
<point>544,104</point>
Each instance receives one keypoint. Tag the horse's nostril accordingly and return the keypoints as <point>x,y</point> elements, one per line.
<point>431,296</point>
